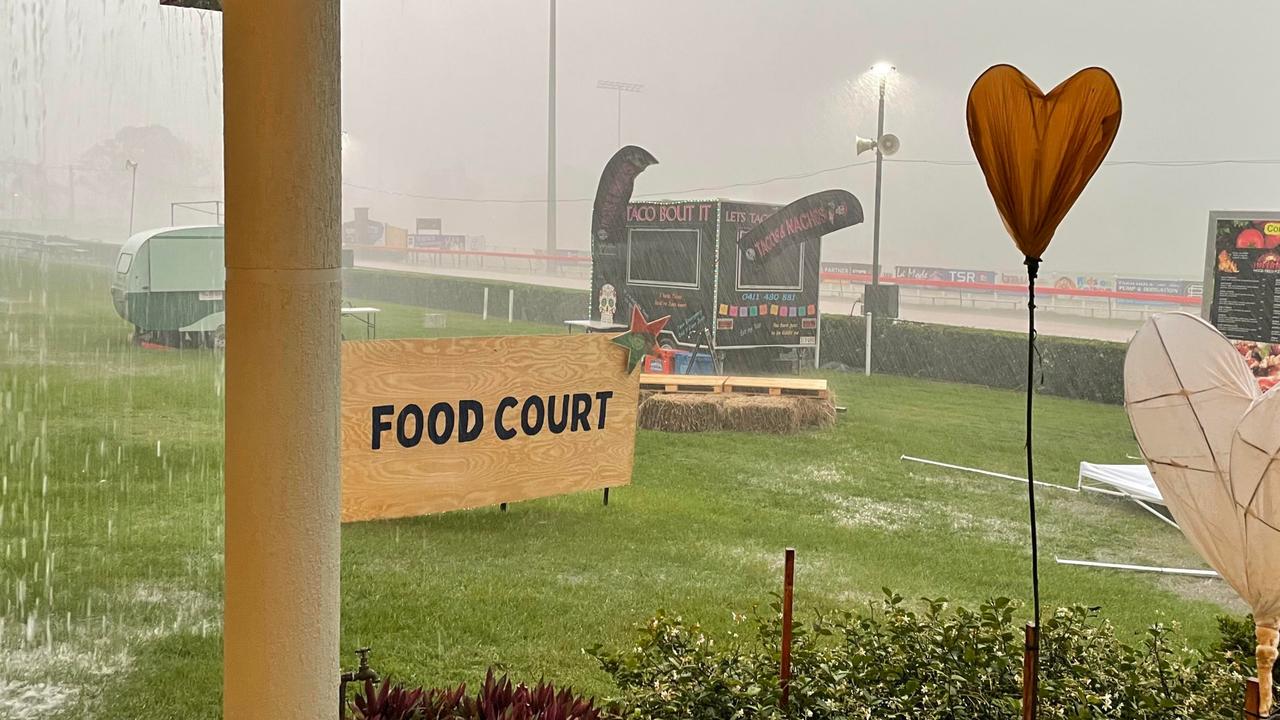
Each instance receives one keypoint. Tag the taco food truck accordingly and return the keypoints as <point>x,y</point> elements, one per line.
<point>169,284</point>
<point>682,259</point>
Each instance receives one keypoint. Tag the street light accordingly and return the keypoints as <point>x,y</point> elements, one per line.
<point>883,145</point>
<point>133,189</point>
<point>620,87</point>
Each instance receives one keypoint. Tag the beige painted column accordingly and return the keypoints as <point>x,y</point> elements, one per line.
<point>283,184</point>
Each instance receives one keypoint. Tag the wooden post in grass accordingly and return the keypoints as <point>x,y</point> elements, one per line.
<point>1252,699</point>
<point>1030,672</point>
<point>788,583</point>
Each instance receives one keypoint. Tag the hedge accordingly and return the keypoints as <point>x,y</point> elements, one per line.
<point>1068,367</point>
<point>1083,369</point>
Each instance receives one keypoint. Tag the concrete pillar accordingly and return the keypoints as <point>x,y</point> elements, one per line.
<point>283,254</point>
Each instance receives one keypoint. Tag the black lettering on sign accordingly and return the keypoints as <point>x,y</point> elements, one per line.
<point>581,408</point>
<point>379,425</point>
<point>532,428</point>
<point>603,398</point>
<point>566,412</point>
<point>557,426</point>
<point>471,419</point>
<point>504,432</point>
<point>409,411</point>
<point>440,410</point>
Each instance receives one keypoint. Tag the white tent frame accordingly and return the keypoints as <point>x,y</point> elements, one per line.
<point>1096,484</point>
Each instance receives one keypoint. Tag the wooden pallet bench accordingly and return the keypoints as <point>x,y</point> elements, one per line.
<point>682,383</point>
<point>803,387</point>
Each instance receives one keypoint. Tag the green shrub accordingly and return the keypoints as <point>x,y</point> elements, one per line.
<point>1237,642</point>
<point>1068,367</point>
<point>894,663</point>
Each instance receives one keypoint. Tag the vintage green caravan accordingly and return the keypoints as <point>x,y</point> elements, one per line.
<point>169,285</point>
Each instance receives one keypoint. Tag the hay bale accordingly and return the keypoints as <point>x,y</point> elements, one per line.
<point>763,414</point>
<point>681,412</point>
<point>815,412</point>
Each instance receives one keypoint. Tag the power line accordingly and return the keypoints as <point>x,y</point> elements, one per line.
<point>799,176</point>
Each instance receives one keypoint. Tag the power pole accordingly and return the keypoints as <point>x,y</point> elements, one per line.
<point>551,135</point>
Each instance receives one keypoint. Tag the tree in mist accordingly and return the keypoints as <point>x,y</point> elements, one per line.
<point>169,170</point>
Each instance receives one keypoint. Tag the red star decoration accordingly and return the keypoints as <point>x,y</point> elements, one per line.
<point>641,339</point>
<point>640,324</point>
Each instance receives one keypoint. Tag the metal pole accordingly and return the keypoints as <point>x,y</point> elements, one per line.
<point>484,312</point>
<point>788,585</point>
<point>875,231</point>
<point>511,305</point>
<point>71,192</point>
<point>867,355</point>
<point>551,136</point>
<point>817,345</point>
<point>133,194</point>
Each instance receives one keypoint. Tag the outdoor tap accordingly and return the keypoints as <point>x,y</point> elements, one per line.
<point>362,672</point>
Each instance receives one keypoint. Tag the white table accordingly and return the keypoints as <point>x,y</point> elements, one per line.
<point>366,315</point>
<point>594,326</point>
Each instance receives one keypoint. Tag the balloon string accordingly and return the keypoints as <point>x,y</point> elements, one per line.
<point>1033,267</point>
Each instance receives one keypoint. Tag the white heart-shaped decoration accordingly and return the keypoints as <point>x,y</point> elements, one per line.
<point>1211,440</point>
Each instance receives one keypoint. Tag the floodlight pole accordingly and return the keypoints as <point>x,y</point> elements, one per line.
<point>551,136</point>
<point>619,88</point>
<point>875,231</point>
<point>132,165</point>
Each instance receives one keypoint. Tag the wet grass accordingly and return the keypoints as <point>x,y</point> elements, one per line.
<point>111,534</point>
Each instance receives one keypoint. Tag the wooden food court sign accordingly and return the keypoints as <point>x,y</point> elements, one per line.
<point>446,424</point>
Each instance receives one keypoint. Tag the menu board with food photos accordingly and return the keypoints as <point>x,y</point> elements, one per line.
<point>1241,287</point>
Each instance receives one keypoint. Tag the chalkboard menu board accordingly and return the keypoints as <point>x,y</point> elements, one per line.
<point>1245,265</point>
<point>1241,286</point>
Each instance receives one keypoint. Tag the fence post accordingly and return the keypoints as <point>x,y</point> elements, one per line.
<point>1252,699</point>
<point>484,310</point>
<point>511,305</point>
<point>788,584</point>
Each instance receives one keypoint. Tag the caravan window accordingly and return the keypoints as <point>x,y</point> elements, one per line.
<point>779,271</point>
<point>122,265</point>
<point>664,257</point>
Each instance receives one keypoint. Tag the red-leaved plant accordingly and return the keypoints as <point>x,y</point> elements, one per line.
<point>497,699</point>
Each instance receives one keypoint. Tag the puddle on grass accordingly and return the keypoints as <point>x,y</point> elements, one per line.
<point>862,512</point>
<point>31,700</point>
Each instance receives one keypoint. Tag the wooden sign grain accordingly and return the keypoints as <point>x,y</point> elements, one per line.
<point>436,425</point>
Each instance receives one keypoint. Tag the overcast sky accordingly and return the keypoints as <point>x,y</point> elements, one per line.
<point>447,99</point>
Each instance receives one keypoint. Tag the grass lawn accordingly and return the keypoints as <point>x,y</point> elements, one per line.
<point>111,524</point>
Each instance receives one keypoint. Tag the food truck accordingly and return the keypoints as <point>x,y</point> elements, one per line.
<point>682,259</point>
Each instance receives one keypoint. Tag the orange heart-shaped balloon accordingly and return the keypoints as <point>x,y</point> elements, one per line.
<point>1038,151</point>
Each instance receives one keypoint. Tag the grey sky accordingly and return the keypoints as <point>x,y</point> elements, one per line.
<point>448,99</point>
